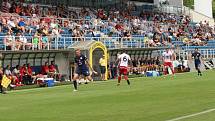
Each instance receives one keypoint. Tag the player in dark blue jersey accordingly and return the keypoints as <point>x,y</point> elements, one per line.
<point>81,68</point>
<point>197,60</point>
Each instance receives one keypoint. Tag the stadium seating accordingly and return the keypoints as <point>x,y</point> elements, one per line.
<point>106,27</point>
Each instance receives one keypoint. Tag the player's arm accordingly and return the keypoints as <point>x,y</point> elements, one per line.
<point>88,64</point>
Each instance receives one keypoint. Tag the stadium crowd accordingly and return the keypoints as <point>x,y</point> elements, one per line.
<point>24,25</point>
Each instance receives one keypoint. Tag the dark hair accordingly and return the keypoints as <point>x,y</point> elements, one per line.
<point>123,51</point>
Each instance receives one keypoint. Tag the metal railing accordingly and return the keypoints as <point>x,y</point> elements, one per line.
<point>57,43</point>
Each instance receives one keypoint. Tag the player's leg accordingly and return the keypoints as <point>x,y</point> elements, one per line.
<point>197,65</point>
<point>75,83</point>
<point>172,68</point>
<point>119,79</point>
<point>125,73</point>
<point>120,75</point>
<point>165,70</point>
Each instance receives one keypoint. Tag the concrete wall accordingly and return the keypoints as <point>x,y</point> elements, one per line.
<point>63,63</point>
<point>178,3</point>
<point>204,7</point>
<point>197,17</point>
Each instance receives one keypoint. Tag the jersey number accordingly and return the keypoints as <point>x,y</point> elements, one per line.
<point>125,59</point>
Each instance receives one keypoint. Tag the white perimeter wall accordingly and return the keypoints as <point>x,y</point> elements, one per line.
<point>203,7</point>
<point>178,3</point>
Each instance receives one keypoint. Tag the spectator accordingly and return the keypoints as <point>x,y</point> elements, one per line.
<point>9,41</point>
<point>45,37</point>
<point>27,74</point>
<point>45,69</point>
<point>36,41</point>
<point>52,67</point>
<point>5,6</point>
<point>9,75</point>
<point>16,75</point>
<point>103,65</point>
<point>21,25</point>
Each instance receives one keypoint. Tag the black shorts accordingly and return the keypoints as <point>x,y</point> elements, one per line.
<point>103,69</point>
<point>82,71</point>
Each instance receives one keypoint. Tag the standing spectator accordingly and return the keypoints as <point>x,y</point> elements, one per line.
<point>36,41</point>
<point>103,65</point>
<point>45,37</point>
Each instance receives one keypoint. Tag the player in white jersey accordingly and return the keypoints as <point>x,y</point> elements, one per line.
<point>167,58</point>
<point>123,61</point>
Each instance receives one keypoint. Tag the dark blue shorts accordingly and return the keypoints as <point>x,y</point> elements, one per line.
<point>197,64</point>
<point>82,71</point>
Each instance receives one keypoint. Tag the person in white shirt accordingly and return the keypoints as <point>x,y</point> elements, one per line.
<point>167,58</point>
<point>123,61</point>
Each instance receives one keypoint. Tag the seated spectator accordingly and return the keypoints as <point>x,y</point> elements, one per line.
<point>53,71</point>
<point>27,74</point>
<point>16,74</point>
<point>9,75</point>
<point>21,25</point>
<point>45,69</point>
<point>9,41</point>
<point>78,33</point>
<point>18,42</point>
<point>52,67</point>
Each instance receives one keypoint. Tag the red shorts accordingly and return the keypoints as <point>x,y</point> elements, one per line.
<point>123,70</point>
<point>168,64</point>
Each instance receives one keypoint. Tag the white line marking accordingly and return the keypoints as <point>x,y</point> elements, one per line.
<point>192,115</point>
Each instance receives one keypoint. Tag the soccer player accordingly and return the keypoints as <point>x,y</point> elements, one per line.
<point>123,60</point>
<point>167,59</point>
<point>197,60</point>
<point>81,68</point>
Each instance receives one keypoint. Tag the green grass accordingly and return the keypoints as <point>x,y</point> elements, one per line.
<point>147,99</point>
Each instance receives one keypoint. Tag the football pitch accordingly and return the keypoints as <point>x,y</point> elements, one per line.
<point>185,97</point>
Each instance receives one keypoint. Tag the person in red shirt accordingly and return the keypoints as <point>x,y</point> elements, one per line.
<point>29,69</point>
<point>52,67</point>
<point>52,70</point>
<point>22,72</point>
<point>45,69</point>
